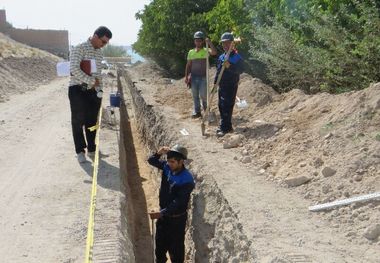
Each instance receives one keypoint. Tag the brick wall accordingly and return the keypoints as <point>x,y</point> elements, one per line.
<point>3,17</point>
<point>53,41</point>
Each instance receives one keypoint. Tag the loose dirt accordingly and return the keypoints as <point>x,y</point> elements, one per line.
<point>23,68</point>
<point>282,137</point>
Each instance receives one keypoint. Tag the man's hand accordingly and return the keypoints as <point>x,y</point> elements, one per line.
<point>208,41</point>
<point>163,150</point>
<point>227,64</point>
<point>97,83</point>
<point>187,80</point>
<point>155,215</point>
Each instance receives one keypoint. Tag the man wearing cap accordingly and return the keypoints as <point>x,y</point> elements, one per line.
<point>195,72</point>
<point>228,84</point>
<point>177,183</point>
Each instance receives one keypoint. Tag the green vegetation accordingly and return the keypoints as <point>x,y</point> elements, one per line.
<point>114,51</point>
<point>321,45</point>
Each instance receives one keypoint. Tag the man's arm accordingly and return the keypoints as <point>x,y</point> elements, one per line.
<point>154,159</point>
<point>99,66</point>
<point>213,50</point>
<point>75,59</point>
<point>187,71</point>
<point>235,64</point>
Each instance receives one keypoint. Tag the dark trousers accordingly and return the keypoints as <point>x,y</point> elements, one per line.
<point>227,94</point>
<point>170,237</point>
<point>84,105</point>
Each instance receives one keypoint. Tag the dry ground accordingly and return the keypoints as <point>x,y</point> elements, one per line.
<point>282,137</point>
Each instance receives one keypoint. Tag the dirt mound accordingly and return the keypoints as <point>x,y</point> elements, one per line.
<point>23,67</point>
<point>324,147</point>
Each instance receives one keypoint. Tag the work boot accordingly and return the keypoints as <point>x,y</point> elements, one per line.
<point>81,157</point>
<point>221,133</point>
<point>196,115</point>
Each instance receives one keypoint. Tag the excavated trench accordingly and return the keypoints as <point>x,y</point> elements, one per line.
<point>213,233</point>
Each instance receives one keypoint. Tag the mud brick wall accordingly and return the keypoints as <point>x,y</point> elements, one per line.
<point>3,17</point>
<point>53,41</point>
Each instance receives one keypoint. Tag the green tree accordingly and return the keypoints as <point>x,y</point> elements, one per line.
<point>167,30</point>
<point>322,44</point>
<point>332,47</point>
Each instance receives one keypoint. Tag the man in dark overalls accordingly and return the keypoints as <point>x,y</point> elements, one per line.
<point>177,183</point>
<point>228,84</point>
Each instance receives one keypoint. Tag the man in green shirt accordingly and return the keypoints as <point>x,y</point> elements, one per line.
<point>195,73</point>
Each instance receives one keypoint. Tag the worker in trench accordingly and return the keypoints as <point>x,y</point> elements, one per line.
<point>177,183</point>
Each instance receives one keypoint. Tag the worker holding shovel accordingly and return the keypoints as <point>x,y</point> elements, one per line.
<point>228,84</point>
<point>177,183</point>
<point>196,69</point>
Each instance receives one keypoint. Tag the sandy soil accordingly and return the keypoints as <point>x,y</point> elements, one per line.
<point>22,68</point>
<point>285,136</point>
<point>45,193</point>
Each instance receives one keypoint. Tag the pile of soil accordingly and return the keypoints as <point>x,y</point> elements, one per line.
<point>22,67</point>
<point>324,147</point>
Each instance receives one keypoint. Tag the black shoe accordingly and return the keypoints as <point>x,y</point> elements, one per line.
<point>196,115</point>
<point>221,133</point>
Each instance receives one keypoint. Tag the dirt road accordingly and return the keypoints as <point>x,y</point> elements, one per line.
<point>44,192</point>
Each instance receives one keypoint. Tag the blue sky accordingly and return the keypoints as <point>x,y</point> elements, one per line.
<point>80,17</point>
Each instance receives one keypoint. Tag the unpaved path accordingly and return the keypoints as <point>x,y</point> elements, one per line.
<point>44,192</point>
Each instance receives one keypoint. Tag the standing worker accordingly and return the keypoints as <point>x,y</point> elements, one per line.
<point>195,72</point>
<point>177,183</point>
<point>228,84</point>
<point>84,91</point>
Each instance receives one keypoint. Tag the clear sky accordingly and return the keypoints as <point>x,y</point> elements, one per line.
<point>79,17</point>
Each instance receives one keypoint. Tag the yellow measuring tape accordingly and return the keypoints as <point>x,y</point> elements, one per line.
<point>91,219</point>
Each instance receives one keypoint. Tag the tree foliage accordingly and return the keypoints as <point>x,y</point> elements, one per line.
<point>309,44</point>
<point>114,51</point>
<point>167,30</point>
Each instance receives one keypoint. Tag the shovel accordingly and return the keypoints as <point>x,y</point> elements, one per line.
<point>213,90</point>
<point>153,241</point>
<point>211,115</point>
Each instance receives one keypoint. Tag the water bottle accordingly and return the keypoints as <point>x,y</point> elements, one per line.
<point>99,92</point>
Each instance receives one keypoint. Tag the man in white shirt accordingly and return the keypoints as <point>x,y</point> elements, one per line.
<point>84,102</point>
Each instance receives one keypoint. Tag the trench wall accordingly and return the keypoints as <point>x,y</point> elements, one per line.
<point>214,233</point>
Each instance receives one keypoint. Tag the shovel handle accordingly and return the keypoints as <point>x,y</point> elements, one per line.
<point>217,82</point>
<point>153,242</point>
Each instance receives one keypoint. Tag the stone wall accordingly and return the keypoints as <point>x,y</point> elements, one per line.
<point>53,41</point>
<point>3,17</point>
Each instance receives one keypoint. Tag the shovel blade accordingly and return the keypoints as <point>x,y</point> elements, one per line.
<point>203,129</point>
<point>211,117</point>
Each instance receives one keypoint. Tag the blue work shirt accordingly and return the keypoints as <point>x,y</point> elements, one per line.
<point>230,75</point>
<point>175,188</point>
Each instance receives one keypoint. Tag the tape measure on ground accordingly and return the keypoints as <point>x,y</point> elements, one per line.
<point>91,219</point>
